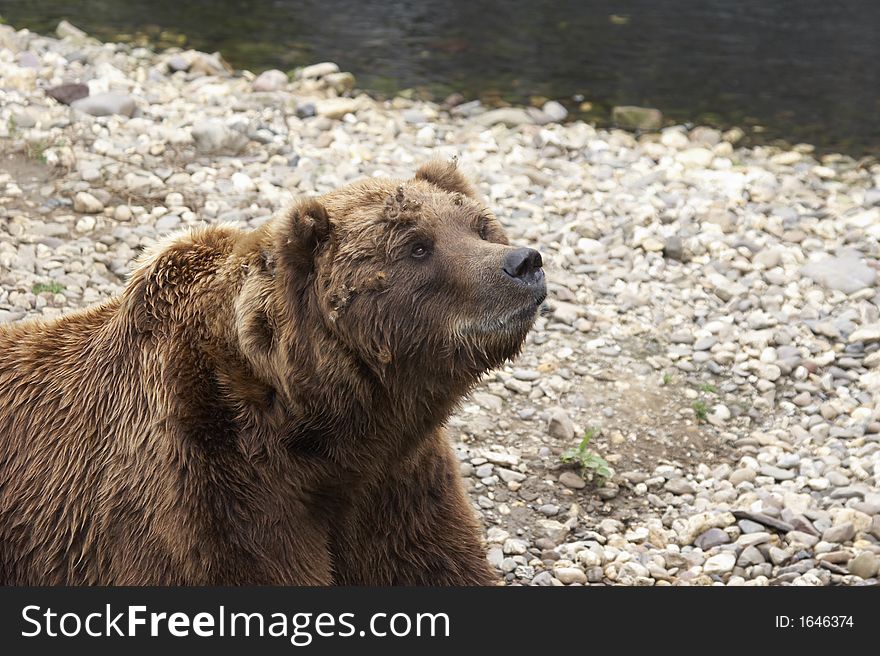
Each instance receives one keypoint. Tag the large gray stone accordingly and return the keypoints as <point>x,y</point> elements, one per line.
<point>106,104</point>
<point>68,93</point>
<point>845,272</point>
<point>864,565</point>
<point>67,30</point>
<point>560,425</point>
<point>712,538</point>
<point>336,107</point>
<point>840,533</point>
<point>214,137</point>
<point>509,116</point>
<point>271,80</point>
<point>866,334</point>
<point>316,71</point>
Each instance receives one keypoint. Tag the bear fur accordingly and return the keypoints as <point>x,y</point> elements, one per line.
<point>265,407</point>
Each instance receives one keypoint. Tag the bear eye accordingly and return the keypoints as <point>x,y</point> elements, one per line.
<point>419,251</point>
<point>483,230</point>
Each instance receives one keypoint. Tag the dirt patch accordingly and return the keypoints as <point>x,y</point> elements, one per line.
<point>641,419</point>
<point>24,178</point>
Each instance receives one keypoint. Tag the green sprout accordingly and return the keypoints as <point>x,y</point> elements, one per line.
<point>592,465</point>
<point>51,287</point>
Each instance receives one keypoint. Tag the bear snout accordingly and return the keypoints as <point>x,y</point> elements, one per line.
<point>523,266</point>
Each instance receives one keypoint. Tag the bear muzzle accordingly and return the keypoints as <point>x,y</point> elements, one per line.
<point>523,266</point>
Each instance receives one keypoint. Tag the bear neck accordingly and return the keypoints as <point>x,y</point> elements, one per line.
<point>369,420</point>
<point>334,408</point>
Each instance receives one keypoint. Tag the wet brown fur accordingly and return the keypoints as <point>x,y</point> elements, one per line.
<point>263,407</point>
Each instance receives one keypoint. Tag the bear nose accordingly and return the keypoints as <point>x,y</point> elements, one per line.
<point>523,264</point>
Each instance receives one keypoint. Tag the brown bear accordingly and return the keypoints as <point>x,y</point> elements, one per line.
<point>266,407</point>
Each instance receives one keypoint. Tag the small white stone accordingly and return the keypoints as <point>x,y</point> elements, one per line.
<point>86,203</point>
<point>242,182</point>
<point>426,136</point>
<point>569,575</point>
<point>514,546</point>
<point>85,224</point>
<point>720,563</point>
<point>696,157</point>
<point>122,213</point>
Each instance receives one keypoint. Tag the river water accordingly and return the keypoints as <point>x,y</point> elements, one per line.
<point>798,70</point>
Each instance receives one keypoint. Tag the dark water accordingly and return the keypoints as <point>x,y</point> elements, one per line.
<point>800,70</point>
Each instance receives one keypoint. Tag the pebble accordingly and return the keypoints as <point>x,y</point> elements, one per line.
<point>212,136</point>
<point>87,204</point>
<point>551,529</point>
<point>777,472</point>
<point>271,80</point>
<point>866,334</point>
<point>543,579</point>
<point>569,575</point>
<point>740,475</point>
<point>106,104</point>
<point>68,93</point>
<point>696,157</point>
<point>865,565</point>
<point>85,224</point>
<point>560,426</point>
<point>673,249</point>
<point>242,182</point>
<point>508,116</point>
<point>753,539</point>
<point>555,111</point>
<point>844,273</point>
<point>679,486</point>
<point>484,470</point>
<point>335,108</point>
<point>720,563</point>
<point>748,526</point>
<point>177,63</point>
<point>566,313</point>
<point>701,522</point>
<point>571,480</point>
<point>779,556</point>
<point>315,71</point>
<point>750,556</point>
<point>712,538</point>
<point>514,546</point>
<point>340,82</point>
<point>801,538</point>
<point>840,533</point>
<point>491,402</point>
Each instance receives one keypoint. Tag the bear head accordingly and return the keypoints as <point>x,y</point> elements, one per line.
<point>412,276</point>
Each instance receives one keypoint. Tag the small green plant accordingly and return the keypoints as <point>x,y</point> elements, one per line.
<point>37,150</point>
<point>593,466</point>
<point>667,378</point>
<point>51,287</point>
<point>708,388</point>
<point>700,409</point>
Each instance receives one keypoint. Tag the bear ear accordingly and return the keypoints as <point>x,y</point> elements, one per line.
<point>446,176</point>
<point>306,230</point>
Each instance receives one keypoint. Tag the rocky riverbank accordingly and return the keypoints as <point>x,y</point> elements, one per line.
<point>713,318</point>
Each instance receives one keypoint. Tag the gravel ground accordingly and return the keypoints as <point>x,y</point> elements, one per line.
<point>713,317</point>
